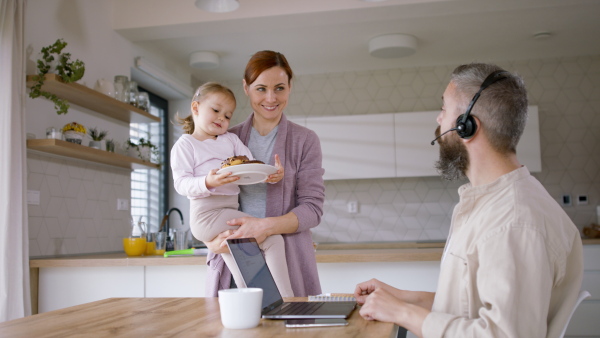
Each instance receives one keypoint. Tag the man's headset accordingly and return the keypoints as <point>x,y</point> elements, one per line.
<point>465,123</point>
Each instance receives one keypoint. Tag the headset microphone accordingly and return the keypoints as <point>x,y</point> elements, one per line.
<point>465,123</point>
<point>442,134</point>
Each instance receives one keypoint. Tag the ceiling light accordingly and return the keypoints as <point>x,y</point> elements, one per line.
<point>218,6</point>
<point>392,46</point>
<point>542,35</point>
<point>204,60</point>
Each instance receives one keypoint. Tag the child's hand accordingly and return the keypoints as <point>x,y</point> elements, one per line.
<point>278,176</point>
<point>214,180</point>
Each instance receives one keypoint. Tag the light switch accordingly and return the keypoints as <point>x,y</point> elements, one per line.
<point>33,197</point>
<point>353,207</point>
<point>122,204</point>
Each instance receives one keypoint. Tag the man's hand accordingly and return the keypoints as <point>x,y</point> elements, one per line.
<point>382,306</point>
<point>364,289</point>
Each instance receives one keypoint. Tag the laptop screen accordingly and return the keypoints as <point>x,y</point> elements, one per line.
<point>254,269</point>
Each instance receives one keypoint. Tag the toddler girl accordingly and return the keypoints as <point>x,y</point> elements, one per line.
<point>195,159</point>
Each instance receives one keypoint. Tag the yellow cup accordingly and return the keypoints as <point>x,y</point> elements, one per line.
<point>150,248</point>
<point>134,246</point>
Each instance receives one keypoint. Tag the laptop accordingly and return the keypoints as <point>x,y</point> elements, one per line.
<point>256,274</point>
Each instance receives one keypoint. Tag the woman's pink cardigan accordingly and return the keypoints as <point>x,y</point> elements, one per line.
<point>302,192</point>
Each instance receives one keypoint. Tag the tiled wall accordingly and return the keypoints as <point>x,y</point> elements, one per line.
<point>567,92</point>
<point>80,215</point>
<point>77,211</point>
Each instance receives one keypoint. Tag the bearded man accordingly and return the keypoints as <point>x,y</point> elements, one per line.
<point>512,265</point>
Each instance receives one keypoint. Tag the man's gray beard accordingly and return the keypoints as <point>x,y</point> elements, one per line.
<point>454,159</point>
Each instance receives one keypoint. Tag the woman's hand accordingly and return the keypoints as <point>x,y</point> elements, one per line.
<point>218,245</point>
<point>251,227</point>
<point>214,180</point>
<point>278,176</point>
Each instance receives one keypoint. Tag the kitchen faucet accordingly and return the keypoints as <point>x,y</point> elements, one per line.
<point>165,223</point>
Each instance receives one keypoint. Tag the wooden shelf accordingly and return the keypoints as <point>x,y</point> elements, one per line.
<point>88,98</point>
<point>77,151</point>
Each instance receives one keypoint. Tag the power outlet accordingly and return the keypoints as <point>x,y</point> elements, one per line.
<point>352,207</point>
<point>582,200</point>
<point>33,197</point>
<point>122,204</point>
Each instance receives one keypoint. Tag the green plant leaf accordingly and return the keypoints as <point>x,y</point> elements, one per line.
<point>69,71</point>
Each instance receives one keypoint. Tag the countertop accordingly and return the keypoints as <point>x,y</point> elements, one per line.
<point>326,253</point>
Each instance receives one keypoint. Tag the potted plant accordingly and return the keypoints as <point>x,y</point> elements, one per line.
<point>74,132</point>
<point>147,150</point>
<point>97,138</point>
<point>110,146</point>
<point>54,60</point>
<point>132,148</point>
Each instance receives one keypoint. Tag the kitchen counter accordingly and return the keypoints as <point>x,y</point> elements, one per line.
<point>56,284</point>
<point>326,253</point>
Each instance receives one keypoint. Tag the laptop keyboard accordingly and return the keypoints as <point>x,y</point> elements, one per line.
<point>300,308</point>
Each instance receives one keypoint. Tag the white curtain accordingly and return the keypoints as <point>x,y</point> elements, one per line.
<point>15,299</point>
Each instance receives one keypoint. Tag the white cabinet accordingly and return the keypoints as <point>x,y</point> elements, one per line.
<point>529,151</point>
<point>343,277</point>
<point>585,319</point>
<point>356,146</point>
<point>176,281</point>
<point>415,156</point>
<point>395,145</point>
<point>62,287</point>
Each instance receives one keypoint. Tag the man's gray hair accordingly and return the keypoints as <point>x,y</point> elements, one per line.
<point>501,108</point>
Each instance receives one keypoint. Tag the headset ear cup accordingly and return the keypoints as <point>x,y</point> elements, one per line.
<point>466,129</point>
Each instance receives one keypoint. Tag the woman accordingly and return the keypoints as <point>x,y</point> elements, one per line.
<point>290,207</point>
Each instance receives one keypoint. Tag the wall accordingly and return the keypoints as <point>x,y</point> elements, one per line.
<point>567,92</point>
<point>77,212</point>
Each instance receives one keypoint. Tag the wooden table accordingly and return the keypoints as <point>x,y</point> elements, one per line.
<point>169,317</point>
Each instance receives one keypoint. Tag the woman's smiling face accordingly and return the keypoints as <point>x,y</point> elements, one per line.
<point>269,93</point>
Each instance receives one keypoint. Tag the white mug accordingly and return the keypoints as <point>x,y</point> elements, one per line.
<point>240,308</point>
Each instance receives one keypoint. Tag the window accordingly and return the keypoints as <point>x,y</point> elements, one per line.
<point>148,188</point>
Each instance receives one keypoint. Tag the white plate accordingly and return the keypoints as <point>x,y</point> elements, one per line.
<point>250,173</point>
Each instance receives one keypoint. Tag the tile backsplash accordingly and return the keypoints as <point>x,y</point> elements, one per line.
<point>78,206</point>
<point>80,214</point>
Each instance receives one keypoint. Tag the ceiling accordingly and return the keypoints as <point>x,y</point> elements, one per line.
<point>327,36</point>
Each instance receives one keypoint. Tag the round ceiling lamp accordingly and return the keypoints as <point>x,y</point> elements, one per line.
<point>218,6</point>
<point>204,60</point>
<point>392,46</point>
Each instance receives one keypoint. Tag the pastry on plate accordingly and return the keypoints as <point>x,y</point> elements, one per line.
<point>236,160</point>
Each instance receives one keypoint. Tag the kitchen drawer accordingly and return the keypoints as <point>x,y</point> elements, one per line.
<point>585,320</point>
<point>591,257</point>
<point>591,283</point>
